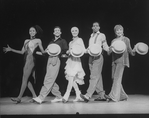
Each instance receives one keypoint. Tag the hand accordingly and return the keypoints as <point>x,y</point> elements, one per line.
<point>86,51</point>
<point>39,53</point>
<point>7,49</point>
<point>54,61</point>
<point>64,55</point>
<point>134,49</point>
<point>67,52</point>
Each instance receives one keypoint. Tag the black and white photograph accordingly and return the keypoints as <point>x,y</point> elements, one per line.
<point>74,58</point>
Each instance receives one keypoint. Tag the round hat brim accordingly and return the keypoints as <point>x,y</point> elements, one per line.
<point>74,50</point>
<point>54,53</point>
<point>123,45</point>
<point>139,51</point>
<point>95,47</point>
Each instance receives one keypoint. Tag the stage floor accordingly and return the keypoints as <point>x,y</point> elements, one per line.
<point>136,104</point>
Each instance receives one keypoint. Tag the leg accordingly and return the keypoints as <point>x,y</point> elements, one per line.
<point>123,95</point>
<point>99,85</point>
<point>78,92</point>
<point>116,86</point>
<point>50,77</point>
<point>26,73</point>
<point>55,91</point>
<point>69,87</point>
<point>30,86</point>
<point>95,76</point>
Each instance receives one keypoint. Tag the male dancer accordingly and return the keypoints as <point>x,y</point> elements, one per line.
<point>53,66</point>
<point>95,66</point>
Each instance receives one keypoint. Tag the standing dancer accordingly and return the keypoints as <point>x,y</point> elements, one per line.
<point>52,71</point>
<point>73,69</point>
<point>28,49</point>
<point>95,65</point>
<point>119,61</point>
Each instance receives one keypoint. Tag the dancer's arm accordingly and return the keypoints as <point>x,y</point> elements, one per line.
<point>8,48</point>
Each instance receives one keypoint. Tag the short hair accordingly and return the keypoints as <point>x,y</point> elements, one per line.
<point>118,27</point>
<point>57,27</point>
<point>75,28</point>
<point>96,22</point>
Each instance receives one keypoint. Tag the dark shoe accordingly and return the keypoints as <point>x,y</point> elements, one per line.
<point>110,100</point>
<point>17,100</point>
<point>100,99</point>
<point>64,101</point>
<point>125,99</point>
<point>84,98</point>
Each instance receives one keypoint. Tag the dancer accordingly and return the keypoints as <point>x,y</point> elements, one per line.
<point>52,71</point>
<point>28,50</point>
<point>73,69</point>
<point>95,66</point>
<point>119,61</point>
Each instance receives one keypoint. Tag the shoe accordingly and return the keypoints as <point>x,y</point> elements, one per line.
<point>84,98</point>
<point>56,100</point>
<point>78,100</point>
<point>125,99</point>
<point>37,100</point>
<point>17,100</point>
<point>64,101</point>
<point>110,100</point>
<point>100,99</point>
<point>31,101</point>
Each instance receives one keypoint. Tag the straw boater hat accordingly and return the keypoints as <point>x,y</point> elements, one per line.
<point>53,49</point>
<point>141,48</point>
<point>77,50</point>
<point>118,46</point>
<point>95,50</point>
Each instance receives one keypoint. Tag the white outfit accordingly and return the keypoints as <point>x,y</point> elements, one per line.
<point>73,64</point>
<point>74,71</point>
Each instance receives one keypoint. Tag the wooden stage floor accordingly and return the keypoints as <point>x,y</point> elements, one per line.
<point>136,104</point>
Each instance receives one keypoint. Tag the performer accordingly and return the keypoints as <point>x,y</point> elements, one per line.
<point>119,61</point>
<point>52,71</point>
<point>95,66</point>
<point>73,69</point>
<point>28,50</point>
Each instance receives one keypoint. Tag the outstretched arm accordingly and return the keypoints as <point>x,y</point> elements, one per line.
<point>8,48</point>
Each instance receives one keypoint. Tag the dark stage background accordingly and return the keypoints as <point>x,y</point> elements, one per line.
<point>19,15</point>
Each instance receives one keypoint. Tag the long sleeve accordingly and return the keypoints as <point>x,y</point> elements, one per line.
<point>64,46</point>
<point>129,47</point>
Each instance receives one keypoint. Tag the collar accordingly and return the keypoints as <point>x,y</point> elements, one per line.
<point>55,39</point>
<point>95,33</point>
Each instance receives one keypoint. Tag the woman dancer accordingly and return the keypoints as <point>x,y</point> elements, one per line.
<point>73,69</point>
<point>119,61</point>
<point>28,50</point>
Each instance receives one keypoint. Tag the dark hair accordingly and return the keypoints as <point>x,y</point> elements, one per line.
<point>57,27</point>
<point>96,22</point>
<point>39,31</point>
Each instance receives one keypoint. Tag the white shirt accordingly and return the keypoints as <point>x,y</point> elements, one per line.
<point>99,38</point>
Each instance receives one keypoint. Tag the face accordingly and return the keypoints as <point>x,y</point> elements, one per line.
<point>75,31</point>
<point>95,27</point>
<point>57,31</point>
<point>119,32</point>
<point>32,32</point>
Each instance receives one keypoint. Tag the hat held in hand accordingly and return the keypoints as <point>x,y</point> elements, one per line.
<point>119,46</point>
<point>76,50</point>
<point>141,48</point>
<point>95,50</point>
<point>53,49</point>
